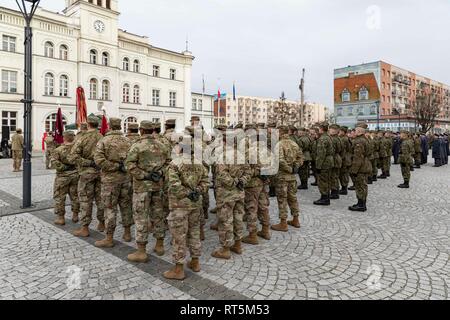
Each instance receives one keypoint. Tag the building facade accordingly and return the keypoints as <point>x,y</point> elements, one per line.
<point>119,71</point>
<point>202,106</point>
<point>379,92</point>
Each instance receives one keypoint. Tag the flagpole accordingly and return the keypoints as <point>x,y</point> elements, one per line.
<point>203,97</point>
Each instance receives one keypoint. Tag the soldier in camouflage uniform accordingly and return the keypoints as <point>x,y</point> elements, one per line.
<point>290,159</point>
<point>50,146</point>
<point>305,144</point>
<point>66,180</point>
<point>133,133</point>
<point>417,151</point>
<point>17,145</point>
<point>89,184</point>
<point>361,167</point>
<point>383,155</point>
<point>324,164</point>
<point>83,130</point>
<point>270,127</point>
<point>146,162</point>
<point>116,187</point>
<point>338,154</point>
<point>314,135</point>
<point>406,158</point>
<point>231,179</point>
<point>344,173</point>
<point>187,182</point>
<point>375,142</point>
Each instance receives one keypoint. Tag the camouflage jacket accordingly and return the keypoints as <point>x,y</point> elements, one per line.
<point>184,177</point>
<point>17,142</point>
<point>50,144</point>
<point>305,145</point>
<point>146,156</point>
<point>59,160</point>
<point>361,156</point>
<point>289,157</point>
<point>260,158</point>
<point>417,145</point>
<point>376,143</point>
<point>383,148</point>
<point>406,152</point>
<point>133,137</point>
<point>83,152</point>
<point>324,153</point>
<point>390,144</point>
<point>338,151</point>
<point>346,152</point>
<point>313,149</point>
<point>110,153</point>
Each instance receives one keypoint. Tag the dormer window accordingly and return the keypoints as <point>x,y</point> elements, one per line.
<point>345,96</point>
<point>363,94</point>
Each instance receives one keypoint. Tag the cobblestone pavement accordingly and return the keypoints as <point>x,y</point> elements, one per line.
<point>399,249</point>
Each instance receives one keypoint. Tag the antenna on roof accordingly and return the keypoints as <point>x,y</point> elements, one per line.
<point>187,43</point>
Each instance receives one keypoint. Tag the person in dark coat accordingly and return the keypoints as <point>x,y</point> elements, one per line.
<point>436,151</point>
<point>396,148</point>
<point>425,148</point>
<point>446,148</point>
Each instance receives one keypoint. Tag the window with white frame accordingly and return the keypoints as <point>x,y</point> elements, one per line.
<point>156,71</point>
<point>194,104</point>
<point>93,56</point>
<point>172,99</point>
<point>93,89</point>
<point>9,119</point>
<point>173,74</point>
<point>156,97</point>
<point>127,122</point>
<point>9,43</point>
<point>49,84</point>
<point>50,122</point>
<point>126,93</point>
<point>136,66</point>
<point>363,94</point>
<point>63,86</point>
<point>345,96</point>
<point>49,49</point>
<point>200,105</point>
<point>63,52</point>
<point>136,94</point>
<point>106,90</point>
<point>105,58</point>
<point>126,64</point>
<point>9,81</point>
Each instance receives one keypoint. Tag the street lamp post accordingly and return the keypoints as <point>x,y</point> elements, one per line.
<point>28,9</point>
<point>378,115</point>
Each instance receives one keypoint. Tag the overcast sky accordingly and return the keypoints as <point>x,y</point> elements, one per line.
<point>264,44</point>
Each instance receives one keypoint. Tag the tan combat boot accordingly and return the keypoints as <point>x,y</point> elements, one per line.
<point>222,253</point>
<point>140,256</point>
<point>194,265</point>
<point>295,223</point>
<point>82,232</point>
<point>237,248</point>
<point>101,226</point>
<point>252,238</point>
<point>202,233</point>
<point>176,273</point>
<point>75,218</point>
<point>282,226</point>
<point>264,233</point>
<point>108,242</point>
<point>159,247</point>
<point>60,221</point>
<point>127,234</point>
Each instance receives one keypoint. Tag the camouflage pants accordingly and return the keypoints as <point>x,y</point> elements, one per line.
<point>184,227</point>
<point>231,225</point>
<point>344,176</point>
<point>17,159</point>
<point>313,169</point>
<point>323,180</point>
<point>63,186</point>
<point>335,173</point>
<point>383,164</point>
<point>89,189</point>
<point>375,167</point>
<point>116,195</point>
<point>287,197</point>
<point>361,187</point>
<point>406,172</point>
<point>148,205</point>
<point>256,208</point>
<point>48,157</point>
<point>304,173</point>
<point>418,159</point>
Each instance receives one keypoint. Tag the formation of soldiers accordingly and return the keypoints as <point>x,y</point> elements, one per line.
<point>161,183</point>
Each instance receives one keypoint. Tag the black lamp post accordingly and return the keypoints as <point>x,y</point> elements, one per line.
<point>378,114</point>
<point>27,8</point>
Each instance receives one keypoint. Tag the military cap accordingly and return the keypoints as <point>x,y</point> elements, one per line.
<point>115,122</point>
<point>302,129</point>
<point>323,125</point>
<point>250,126</point>
<point>272,125</point>
<point>84,126</point>
<point>68,134</point>
<point>171,122</point>
<point>195,118</point>
<point>190,130</point>
<point>147,125</point>
<point>221,127</point>
<point>344,129</point>
<point>133,126</point>
<point>335,126</point>
<point>261,125</point>
<point>293,128</point>
<point>156,125</point>
<point>362,125</point>
<point>93,120</point>
<point>283,128</point>
<point>240,125</point>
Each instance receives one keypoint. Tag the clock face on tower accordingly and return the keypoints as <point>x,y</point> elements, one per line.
<point>99,26</point>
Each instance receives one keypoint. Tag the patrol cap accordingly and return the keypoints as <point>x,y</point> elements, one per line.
<point>323,125</point>
<point>115,122</point>
<point>302,129</point>
<point>69,134</point>
<point>362,125</point>
<point>195,118</point>
<point>335,126</point>
<point>84,126</point>
<point>221,127</point>
<point>146,125</point>
<point>261,125</point>
<point>240,125</point>
<point>250,126</point>
<point>171,122</point>
<point>92,120</point>
<point>344,129</point>
<point>283,128</point>
<point>133,126</point>
<point>156,125</point>
<point>293,128</point>
<point>272,125</point>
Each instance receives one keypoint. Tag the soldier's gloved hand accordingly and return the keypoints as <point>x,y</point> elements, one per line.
<point>194,196</point>
<point>122,167</point>
<point>240,185</point>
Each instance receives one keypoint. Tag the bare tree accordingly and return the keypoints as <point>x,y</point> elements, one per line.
<point>426,108</point>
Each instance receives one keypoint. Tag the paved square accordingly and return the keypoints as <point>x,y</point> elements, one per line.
<point>399,249</point>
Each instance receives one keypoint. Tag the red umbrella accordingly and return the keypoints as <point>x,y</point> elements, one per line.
<point>104,129</point>
<point>81,107</point>
<point>59,129</point>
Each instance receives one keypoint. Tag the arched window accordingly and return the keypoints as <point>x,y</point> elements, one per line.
<point>93,89</point>
<point>50,122</point>
<point>49,50</point>
<point>345,96</point>
<point>136,94</point>
<point>126,64</point>
<point>105,90</point>
<point>63,52</point>
<point>127,122</point>
<point>63,86</point>
<point>105,58</point>
<point>136,65</point>
<point>126,93</point>
<point>93,56</point>
<point>363,94</point>
<point>49,84</point>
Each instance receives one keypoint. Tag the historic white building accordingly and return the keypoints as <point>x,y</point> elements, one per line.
<point>119,71</point>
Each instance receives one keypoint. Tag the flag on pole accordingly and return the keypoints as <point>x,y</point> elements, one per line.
<point>218,94</point>
<point>59,128</point>
<point>81,107</point>
<point>234,91</point>
<point>104,128</point>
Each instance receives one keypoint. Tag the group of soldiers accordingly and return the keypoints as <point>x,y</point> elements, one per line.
<point>160,182</point>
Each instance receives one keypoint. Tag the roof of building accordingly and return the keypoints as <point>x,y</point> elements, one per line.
<point>353,83</point>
